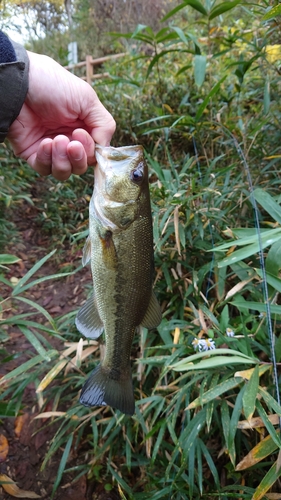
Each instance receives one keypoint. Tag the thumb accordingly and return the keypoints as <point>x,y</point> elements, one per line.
<point>99,122</point>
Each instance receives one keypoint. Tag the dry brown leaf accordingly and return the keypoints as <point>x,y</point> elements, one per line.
<point>19,423</point>
<point>12,489</point>
<point>176,226</point>
<point>176,337</point>
<point>4,447</point>
<point>257,422</point>
<point>237,288</point>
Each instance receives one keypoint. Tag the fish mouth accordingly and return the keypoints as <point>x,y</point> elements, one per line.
<point>118,154</point>
<point>115,160</point>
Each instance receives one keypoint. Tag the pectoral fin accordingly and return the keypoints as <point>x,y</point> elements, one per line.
<point>86,252</point>
<point>88,321</point>
<point>153,315</point>
<point>109,254</point>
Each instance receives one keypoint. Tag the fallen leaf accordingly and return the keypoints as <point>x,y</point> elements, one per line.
<point>4,447</point>
<point>257,422</point>
<point>19,425</point>
<point>12,489</point>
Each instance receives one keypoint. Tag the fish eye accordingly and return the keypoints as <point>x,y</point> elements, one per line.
<point>137,175</point>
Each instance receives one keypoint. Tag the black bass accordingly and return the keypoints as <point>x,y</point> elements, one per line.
<point>120,248</point>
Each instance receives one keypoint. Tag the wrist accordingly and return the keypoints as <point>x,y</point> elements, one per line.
<point>14,69</point>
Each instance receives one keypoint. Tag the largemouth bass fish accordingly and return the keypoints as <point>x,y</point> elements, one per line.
<point>120,248</point>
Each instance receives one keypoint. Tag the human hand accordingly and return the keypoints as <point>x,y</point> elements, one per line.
<point>61,120</point>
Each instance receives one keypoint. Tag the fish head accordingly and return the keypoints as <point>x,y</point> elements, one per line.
<point>121,180</point>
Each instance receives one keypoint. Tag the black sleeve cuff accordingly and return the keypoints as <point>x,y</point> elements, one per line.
<point>14,87</point>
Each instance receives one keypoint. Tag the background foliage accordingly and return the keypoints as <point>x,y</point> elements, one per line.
<point>200,90</point>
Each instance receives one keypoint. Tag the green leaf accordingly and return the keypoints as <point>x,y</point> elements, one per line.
<point>8,259</point>
<point>200,63</point>
<point>270,401</point>
<point>193,3</point>
<point>277,348</point>
<point>215,362</point>
<point>233,424</point>
<point>222,8</point>
<point>273,12</point>
<point>271,280</point>
<point>268,480</point>
<point>30,273</point>
<point>268,203</point>
<point>262,450</point>
<point>266,96</point>
<point>120,481</point>
<point>247,251</point>
<point>62,464</point>
<point>250,238</point>
<point>207,99</point>
<point>7,410</point>
<point>35,342</point>
<point>26,366</point>
<point>243,304</point>
<point>220,278</point>
<point>40,280</point>
<point>274,436</point>
<point>40,309</point>
<point>213,352</point>
<point>215,392</point>
<point>273,260</point>
<point>250,393</point>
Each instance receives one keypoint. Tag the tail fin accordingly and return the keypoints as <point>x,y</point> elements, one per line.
<point>100,389</point>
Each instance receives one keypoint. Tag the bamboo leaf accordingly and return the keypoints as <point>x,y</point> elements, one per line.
<point>51,375</point>
<point>207,99</point>
<point>215,392</point>
<point>271,280</point>
<point>243,304</point>
<point>35,342</point>
<point>273,260</point>
<point>268,424</point>
<point>266,96</point>
<point>248,250</point>
<point>222,8</point>
<point>273,12</point>
<point>270,401</point>
<point>262,450</point>
<point>215,362</point>
<point>26,366</point>
<point>233,424</point>
<point>200,63</point>
<point>268,480</point>
<point>8,259</point>
<point>30,273</point>
<point>39,308</point>
<point>268,203</point>
<point>195,4</point>
<point>250,238</point>
<point>250,393</point>
<point>62,464</point>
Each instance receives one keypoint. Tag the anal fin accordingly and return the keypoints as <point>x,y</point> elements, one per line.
<point>153,315</point>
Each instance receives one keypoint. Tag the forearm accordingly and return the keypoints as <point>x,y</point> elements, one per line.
<point>14,68</point>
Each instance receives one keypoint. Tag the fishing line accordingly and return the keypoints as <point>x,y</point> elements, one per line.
<point>262,265</point>
<point>209,282</point>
